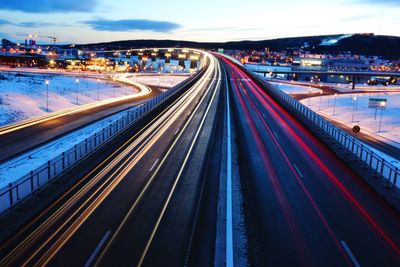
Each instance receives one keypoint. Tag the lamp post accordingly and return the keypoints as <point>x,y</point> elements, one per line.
<point>334,105</point>
<point>77,91</point>
<point>383,106</point>
<point>354,108</point>
<point>47,95</point>
<point>356,102</point>
<point>98,89</point>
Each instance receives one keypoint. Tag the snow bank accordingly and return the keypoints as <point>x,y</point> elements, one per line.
<point>362,115</point>
<point>24,95</point>
<point>295,89</point>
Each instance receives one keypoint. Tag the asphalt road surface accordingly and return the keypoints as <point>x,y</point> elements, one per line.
<point>311,209</point>
<point>139,206</point>
<point>152,203</point>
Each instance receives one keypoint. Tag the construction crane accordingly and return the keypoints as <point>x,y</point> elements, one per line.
<point>30,36</point>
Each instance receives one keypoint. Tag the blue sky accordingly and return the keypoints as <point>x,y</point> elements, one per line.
<point>84,21</point>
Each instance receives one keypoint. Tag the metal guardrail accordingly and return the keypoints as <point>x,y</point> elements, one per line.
<point>361,151</point>
<point>25,186</point>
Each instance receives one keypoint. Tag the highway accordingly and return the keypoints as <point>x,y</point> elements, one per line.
<point>154,199</point>
<point>130,201</point>
<point>305,207</point>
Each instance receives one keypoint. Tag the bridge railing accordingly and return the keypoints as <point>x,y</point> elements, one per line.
<point>361,151</point>
<point>16,191</point>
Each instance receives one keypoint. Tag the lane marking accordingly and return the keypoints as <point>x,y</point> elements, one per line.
<point>351,255</point>
<point>298,171</point>
<point>177,131</point>
<point>229,230</point>
<point>186,159</point>
<point>154,164</point>
<point>97,250</point>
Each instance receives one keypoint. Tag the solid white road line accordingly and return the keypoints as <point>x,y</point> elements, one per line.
<point>96,251</point>
<point>189,152</point>
<point>229,230</point>
<point>352,257</point>
<point>298,171</point>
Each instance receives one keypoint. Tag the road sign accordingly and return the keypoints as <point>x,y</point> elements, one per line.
<point>356,129</point>
<point>377,103</point>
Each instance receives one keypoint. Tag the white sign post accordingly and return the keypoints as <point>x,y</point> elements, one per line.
<point>377,103</point>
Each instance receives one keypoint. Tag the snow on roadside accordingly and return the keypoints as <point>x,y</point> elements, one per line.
<point>295,89</point>
<point>20,166</point>
<point>24,95</point>
<point>362,116</point>
<point>161,80</point>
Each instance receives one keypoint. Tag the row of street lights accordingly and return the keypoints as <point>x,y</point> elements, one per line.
<point>77,81</point>
<point>334,106</point>
<point>355,107</point>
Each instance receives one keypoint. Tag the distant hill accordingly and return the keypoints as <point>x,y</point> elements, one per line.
<point>363,44</point>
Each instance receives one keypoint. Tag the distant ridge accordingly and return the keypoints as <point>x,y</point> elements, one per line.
<point>362,44</point>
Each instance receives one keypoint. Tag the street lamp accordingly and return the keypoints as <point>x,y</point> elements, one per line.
<point>334,105</point>
<point>47,95</point>
<point>383,106</point>
<point>98,89</point>
<point>77,91</point>
<point>354,108</point>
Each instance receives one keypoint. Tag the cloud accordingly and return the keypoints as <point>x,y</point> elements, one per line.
<point>33,24</point>
<point>4,22</point>
<point>49,6</point>
<point>357,18</point>
<point>222,29</point>
<point>26,24</point>
<point>132,25</point>
<point>380,2</point>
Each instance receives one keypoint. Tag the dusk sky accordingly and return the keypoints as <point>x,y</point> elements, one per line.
<point>83,21</point>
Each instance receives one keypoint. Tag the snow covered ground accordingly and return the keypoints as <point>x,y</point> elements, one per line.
<point>362,115</point>
<point>363,88</point>
<point>24,95</point>
<point>17,168</point>
<point>161,80</point>
<point>295,89</point>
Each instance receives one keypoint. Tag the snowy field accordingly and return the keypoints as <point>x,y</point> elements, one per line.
<point>24,95</point>
<point>362,115</point>
<point>161,80</point>
<point>295,89</point>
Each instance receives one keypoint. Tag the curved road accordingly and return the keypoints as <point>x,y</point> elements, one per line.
<point>26,135</point>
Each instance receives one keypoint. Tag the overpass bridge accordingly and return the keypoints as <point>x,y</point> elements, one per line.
<point>353,74</point>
